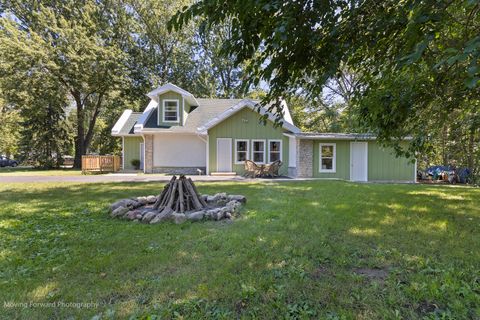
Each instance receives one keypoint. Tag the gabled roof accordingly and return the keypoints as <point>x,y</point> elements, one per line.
<point>171,87</point>
<point>245,103</point>
<point>206,110</point>
<point>125,125</point>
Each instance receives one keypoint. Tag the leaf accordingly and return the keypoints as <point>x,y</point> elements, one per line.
<point>472,82</point>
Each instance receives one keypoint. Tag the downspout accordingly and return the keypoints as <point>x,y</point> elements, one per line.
<point>144,159</point>
<point>207,153</point>
<point>123,153</point>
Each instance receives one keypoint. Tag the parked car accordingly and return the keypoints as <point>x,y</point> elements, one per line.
<point>6,162</point>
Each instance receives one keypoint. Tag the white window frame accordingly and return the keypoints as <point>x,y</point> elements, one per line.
<point>178,110</point>
<point>236,151</point>
<point>264,150</point>
<point>281,149</point>
<point>334,158</point>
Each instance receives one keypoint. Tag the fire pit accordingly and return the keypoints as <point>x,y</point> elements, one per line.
<point>178,202</point>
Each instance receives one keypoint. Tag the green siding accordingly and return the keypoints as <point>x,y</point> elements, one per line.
<point>382,163</point>
<point>170,95</point>
<point>131,150</point>
<point>342,160</point>
<point>245,125</point>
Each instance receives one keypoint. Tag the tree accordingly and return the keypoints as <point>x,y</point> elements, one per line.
<point>9,129</point>
<point>410,54</point>
<point>76,45</point>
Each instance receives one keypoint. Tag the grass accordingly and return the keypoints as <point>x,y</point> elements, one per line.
<point>29,171</point>
<point>317,249</point>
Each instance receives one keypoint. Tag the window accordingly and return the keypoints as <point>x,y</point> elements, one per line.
<point>258,151</point>
<point>274,150</point>
<point>327,157</point>
<point>170,110</point>
<point>241,151</point>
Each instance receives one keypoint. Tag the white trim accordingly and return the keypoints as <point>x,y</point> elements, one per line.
<point>415,172</point>
<point>123,153</point>
<point>145,116</point>
<point>178,110</point>
<point>140,155</point>
<point>145,159</point>
<point>245,103</point>
<point>230,154</point>
<point>248,150</point>
<point>366,159</point>
<point>171,87</point>
<point>183,111</point>
<point>281,149</point>
<point>121,122</point>
<point>334,158</point>
<point>207,169</point>
<point>264,150</point>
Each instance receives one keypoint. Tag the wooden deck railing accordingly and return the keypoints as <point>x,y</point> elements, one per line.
<point>92,163</point>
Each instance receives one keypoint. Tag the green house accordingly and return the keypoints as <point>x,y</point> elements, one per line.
<point>179,133</point>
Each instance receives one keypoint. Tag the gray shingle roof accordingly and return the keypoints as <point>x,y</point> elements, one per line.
<point>131,121</point>
<point>206,110</point>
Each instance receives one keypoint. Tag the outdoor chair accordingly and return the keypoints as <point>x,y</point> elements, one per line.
<point>271,169</point>
<point>252,169</point>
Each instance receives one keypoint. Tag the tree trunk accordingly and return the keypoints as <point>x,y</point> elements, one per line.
<point>80,138</point>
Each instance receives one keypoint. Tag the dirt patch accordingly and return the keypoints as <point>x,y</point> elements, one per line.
<point>375,274</point>
<point>426,307</point>
<point>319,272</point>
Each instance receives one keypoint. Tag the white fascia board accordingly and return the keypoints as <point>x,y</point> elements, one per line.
<point>171,87</point>
<point>144,117</point>
<point>239,106</point>
<point>286,112</point>
<point>121,122</point>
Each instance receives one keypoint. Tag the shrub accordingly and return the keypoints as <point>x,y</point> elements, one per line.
<point>135,163</point>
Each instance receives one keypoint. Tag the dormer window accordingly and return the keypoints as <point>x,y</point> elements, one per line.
<point>170,111</point>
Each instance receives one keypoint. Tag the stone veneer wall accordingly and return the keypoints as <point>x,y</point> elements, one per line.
<point>304,158</point>
<point>148,153</point>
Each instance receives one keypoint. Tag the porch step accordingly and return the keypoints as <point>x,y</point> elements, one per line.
<point>223,174</point>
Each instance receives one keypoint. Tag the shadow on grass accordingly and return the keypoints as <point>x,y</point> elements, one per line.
<point>295,251</point>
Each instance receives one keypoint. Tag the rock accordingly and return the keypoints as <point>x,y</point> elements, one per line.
<point>212,213</point>
<point>151,199</point>
<point>119,212</point>
<point>237,197</point>
<point>131,215</point>
<point>179,218</point>
<point>233,206</point>
<point>196,216</point>
<point>149,216</point>
<point>139,216</point>
<point>161,217</point>
<point>210,199</point>
<point>228,215</point>
<point>219,215</point>
<point>118,204</point>
<point>204,197</point>
<point>142,200</point>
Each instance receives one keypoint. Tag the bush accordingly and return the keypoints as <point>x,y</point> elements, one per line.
<point>135,163</point>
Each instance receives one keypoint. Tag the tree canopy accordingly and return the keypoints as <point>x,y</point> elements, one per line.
<point>416,61</point>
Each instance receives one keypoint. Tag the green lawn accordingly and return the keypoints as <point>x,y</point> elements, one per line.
<point>29,171</point>
<point>319,249</point>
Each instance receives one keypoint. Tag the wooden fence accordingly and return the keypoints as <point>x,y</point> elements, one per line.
<point>101,164</point>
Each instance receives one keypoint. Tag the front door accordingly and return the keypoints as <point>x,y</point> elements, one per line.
<point>224,155</point>
<point>142,153</point>
<point>358,161</point>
